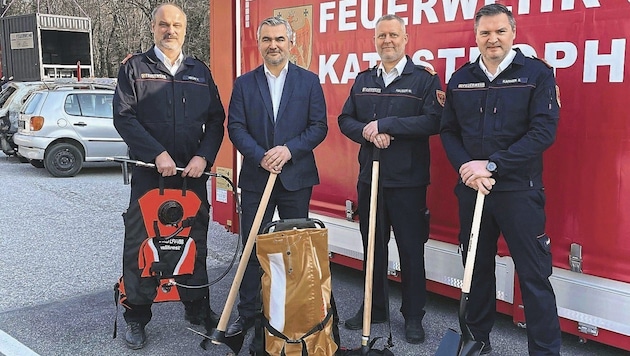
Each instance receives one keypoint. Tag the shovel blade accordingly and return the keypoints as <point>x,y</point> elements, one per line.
<point>471,348</point>
<point>453,344</point>
<point>365,351</point>
<point>218,337</point>
<point>234,342</point>
<point>450,344</point>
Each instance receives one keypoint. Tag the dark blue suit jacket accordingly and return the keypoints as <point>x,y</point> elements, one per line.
<point>300,125</point>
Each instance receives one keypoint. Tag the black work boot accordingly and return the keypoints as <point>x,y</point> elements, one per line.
<point>199,312</point>
<point>240,325</point>
<point>212,320</point>
<point>414,332</point>
<point>135,336</point>
<point>356,322</point>
<point>487,348</point>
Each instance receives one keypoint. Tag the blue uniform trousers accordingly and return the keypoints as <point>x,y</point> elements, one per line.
<point>403,210</point>
<point>520,216</point>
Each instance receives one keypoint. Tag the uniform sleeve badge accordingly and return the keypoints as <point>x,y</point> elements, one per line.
<point>441,97</point>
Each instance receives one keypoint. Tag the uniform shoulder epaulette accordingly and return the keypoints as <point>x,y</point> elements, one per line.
<point>368,69</point>
<point>426,68</point>
<point>129,55</point>
<point>464,65</point>
<point>195,58</point>
<point>544,61</point>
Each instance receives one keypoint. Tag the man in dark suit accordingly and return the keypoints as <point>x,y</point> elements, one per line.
<point>276,117</point>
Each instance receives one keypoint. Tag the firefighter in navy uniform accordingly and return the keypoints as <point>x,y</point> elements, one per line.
<point>168,111</point>
<point>395,107</point>
<point>501,113</point>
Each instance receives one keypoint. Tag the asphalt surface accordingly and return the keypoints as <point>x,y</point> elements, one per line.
<point>60,255</point>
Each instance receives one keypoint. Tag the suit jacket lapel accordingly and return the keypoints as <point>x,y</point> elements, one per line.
<point>263,87</point>
<point>287,91</point>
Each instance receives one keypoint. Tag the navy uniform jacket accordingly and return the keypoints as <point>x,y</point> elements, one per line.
<point>408,110</point>
<point>300,125</point>
<point>155,111</point>
<point>509,121</point>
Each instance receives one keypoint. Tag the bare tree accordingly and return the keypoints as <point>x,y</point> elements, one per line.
<point>120,27</point>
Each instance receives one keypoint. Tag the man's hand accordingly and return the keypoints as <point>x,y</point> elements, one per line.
<point>275,159</point>
<point>484,185</point>
<point>195,167</point>
<point>370,131</point>
<point>473,170</point>
<point>165,165</point>
<point>382,140</point>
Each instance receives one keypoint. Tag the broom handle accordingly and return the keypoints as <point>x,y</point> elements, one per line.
<point>472,243</point>
<point>369,264</point>
<point>247,251</point>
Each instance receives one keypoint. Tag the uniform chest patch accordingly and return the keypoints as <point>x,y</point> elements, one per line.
<point>471,85</point>
<point>193,79</point>
<point>152,76</point>
<point>513,81</point>
<point>371,90</point>
<point>404,91</point>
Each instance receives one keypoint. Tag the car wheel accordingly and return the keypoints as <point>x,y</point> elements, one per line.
<point>37,163</point>
<point>63,160</point>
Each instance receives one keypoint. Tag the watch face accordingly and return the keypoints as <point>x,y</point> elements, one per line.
<point>492,167</point>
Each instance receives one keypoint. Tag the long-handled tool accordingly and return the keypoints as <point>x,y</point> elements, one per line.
<point>235,342</point>
<point>454,344</point>
<point>366,345</point>
<point>126,173</point>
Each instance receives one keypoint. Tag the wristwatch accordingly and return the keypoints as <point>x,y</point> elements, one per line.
<point>491,167</point>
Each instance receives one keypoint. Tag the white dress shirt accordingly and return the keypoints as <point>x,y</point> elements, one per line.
<point>276,84</point>
<point>504,64</point>
<point>172,67</point>
<point>388,78</point>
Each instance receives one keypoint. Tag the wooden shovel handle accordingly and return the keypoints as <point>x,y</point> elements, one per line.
<point>369,262</point>
<point>247,251</point>
<point>472,243</point>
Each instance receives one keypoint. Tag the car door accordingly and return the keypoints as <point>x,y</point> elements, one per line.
<point>91,116</point>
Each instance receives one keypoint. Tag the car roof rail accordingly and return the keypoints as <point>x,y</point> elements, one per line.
<point>78,85</point>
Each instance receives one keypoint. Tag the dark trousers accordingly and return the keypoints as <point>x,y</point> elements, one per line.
<point>142,313</point>
<point>144,180</point>
<point>291,205</point>
<point>403,210</point>
<point>520,216</point>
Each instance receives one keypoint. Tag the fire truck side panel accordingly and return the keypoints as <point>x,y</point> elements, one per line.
<point>587,170</point>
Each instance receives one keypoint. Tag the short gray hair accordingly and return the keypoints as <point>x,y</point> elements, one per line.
<point>276,21</point>
<point>390,17</point>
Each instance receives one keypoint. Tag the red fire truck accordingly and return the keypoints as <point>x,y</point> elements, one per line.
<point>587,170</point>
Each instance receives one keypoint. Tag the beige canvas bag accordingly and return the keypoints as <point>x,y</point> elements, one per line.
<point>296,291</point>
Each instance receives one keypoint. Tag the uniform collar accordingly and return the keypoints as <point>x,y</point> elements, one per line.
<point>399,67</point>
<point>501,67</point>
<point>167,62</point>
